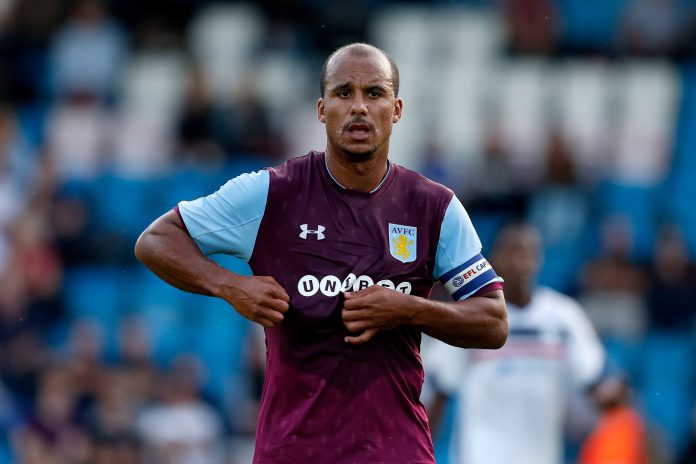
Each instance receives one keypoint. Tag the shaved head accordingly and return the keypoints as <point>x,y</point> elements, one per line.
<point>515,235</point>
<point>360,50</point>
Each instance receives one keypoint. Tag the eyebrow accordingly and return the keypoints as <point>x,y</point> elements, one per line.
<point>381,88</point>
<point>349,85</point>
<point>341,86</point>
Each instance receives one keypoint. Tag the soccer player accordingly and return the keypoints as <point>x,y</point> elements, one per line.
<point>345,247</point>
<point>511,401</point>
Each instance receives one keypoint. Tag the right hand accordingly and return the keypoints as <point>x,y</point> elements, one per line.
<point>260,299</point>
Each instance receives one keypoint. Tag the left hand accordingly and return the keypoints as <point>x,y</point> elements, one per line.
<point>375,308</point>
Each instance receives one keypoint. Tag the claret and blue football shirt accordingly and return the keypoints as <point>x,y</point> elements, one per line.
<point>324,400</point>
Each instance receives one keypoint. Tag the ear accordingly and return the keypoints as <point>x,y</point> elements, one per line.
<point>398,108</point>
<point>320,110</point>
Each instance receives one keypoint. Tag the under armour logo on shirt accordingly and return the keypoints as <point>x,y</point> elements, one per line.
<point>305,231</point>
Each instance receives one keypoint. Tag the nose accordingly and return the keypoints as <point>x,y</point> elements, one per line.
<point>359,105</point>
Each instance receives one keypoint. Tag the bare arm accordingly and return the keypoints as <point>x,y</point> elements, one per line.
<point>166,248</point>
<point>477,322</point>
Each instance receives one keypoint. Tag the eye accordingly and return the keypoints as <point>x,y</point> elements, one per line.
<point>344,93</point>
<point>374,94</point>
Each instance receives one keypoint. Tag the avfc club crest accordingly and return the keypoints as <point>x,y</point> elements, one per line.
<point>402,242</point>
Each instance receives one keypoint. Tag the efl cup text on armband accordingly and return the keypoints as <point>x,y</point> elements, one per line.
<point>331,285</point>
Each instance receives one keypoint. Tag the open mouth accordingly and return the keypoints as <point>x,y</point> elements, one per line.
<point>359,131</point>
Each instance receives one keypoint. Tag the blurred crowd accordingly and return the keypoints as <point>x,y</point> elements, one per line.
<point>113,111</point>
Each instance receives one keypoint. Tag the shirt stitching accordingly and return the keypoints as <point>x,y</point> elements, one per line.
<point>226,228</point>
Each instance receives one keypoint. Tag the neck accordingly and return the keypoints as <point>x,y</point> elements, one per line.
<point>519,296</point>
<point>363,176</point>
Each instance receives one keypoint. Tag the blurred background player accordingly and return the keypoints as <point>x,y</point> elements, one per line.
<point>511,401</point>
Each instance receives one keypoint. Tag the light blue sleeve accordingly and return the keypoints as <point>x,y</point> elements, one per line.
<point>459,265</point>
<point>228,220</point>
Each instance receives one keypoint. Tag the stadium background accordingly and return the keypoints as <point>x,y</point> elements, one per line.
<point>579,115</point>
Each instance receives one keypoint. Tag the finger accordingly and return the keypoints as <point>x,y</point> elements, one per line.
<point>270,320</point>
<point>354,315</point>
<point>362,338</point>
<point>355,304</point>
<point>277,290</point>
<point>273,316</point>
<point>265,322</point>
<point>359,293</point>
<point>276,305</point>
<point>280,293</point>
<point>357,326</point>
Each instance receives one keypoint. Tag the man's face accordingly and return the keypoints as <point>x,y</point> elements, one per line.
<point>359,106</point>
<point>517,257</point>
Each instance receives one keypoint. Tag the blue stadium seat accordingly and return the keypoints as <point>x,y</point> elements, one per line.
<point>6,456</point>
<point>445,438</point>
<point>122,205</point>
<point>191,182</point>
<point>672,412</point>
<point>637,204</point>
<point>561,214</point>
<point>219,338</point>
<point>94,292</point>
<point>626,355</point>
<point>667,361</point>
<point>487,226</point>
<point>592,23</point>
<point>166,312</point>
<point>681,185</point>
<point>668,374</point>
<point>246,163</point>
<point>185,184</point>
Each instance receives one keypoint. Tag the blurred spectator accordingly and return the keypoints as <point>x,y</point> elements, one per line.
<point>435,166</point>
<point>208,130</point>
<point>531,26</point>
<point>619,437</point>
<point>496,176</point>
<point>689,455</point>
<point>156,23</point>
<point>686,41</point>
<point>336,23</point>
<point>22,352</point>
<point>200,134</point>
<point>255,372</point>
<point>672,292</point>
<point>37,260</point>
<point>181,428</point>
<point>9,417</point>
<point>87,53</point>
<point>649,27</point>
<point>135,359</point>
<point>559,207</point>
<point>69,220</point>
<point>111,420</point>
<point>17,163</point>
<point>83,359</point>
<point>612,286</point>
<point>284,24</point>
<point>23,40</point>
<point>77,136</point>
<point>251,130</point>
<point>51,436</point>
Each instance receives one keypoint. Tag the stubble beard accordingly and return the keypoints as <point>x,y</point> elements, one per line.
<point>354,156</point>
<point>358,156</point>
